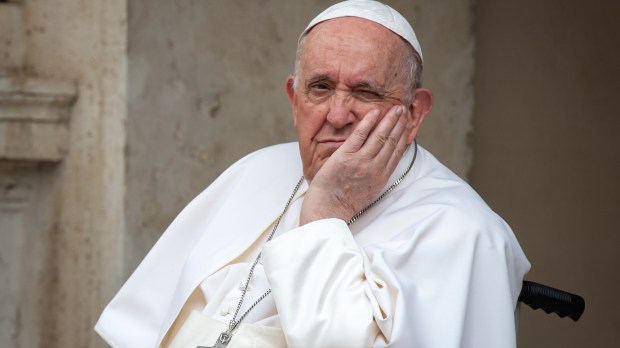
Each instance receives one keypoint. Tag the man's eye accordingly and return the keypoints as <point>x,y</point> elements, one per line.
<point>367,94</point>
<point>319,86</point>
<point>319,90</point>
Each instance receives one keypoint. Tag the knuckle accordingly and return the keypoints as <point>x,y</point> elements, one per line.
<point>360,134</point>
<point>394,142</point>
<point>382,138</point>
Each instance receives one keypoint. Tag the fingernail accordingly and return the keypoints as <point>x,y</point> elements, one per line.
<point>399,110</point>
<point>374,113</point>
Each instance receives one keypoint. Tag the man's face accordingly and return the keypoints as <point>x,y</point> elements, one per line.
<point>348,67</point>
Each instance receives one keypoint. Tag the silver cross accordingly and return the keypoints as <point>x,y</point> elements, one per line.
<point>222,341</point>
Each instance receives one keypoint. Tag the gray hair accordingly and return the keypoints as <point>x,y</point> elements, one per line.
<point>411,67</point>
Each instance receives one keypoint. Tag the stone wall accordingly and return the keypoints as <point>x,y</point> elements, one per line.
<point>62,112</point>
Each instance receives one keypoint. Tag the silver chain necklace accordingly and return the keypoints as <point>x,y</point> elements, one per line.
<point>225,336</point>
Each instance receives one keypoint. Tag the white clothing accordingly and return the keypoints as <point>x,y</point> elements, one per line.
<point>429,266</point>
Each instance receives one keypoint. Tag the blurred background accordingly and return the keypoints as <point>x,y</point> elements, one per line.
<point>114,114</point>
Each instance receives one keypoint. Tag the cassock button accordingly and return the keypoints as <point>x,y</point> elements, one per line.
<point>224,311</point>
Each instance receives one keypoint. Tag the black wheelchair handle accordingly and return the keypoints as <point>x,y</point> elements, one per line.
<point>552,300</point>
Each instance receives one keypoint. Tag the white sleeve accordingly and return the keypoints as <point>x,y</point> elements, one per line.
<point>453,283</point>
<point>316,274</point>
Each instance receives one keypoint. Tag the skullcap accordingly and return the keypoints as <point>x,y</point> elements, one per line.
<point>372,11</point>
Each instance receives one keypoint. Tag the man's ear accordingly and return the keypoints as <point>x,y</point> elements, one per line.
<point>290,93</point>
<point>421,105</point>
<point>290,89</point>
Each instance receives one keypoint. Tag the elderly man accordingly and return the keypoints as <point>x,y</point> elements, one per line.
<point>377,245</point>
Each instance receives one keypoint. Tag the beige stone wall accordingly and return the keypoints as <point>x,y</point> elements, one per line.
<point>11,37</point>
<point>61,213</point>
<point>26,195</point>
<point>546,154</point>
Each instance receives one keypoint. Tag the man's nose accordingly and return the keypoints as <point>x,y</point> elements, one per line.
<point>340,112</point>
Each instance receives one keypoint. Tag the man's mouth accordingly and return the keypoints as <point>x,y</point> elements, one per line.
<point>332,140</point>
<point>332,144</point>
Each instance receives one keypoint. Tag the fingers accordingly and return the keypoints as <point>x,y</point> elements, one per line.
<point>384,139</point>
<point>391,153</point>
<point>359,136</point>
<point>395,155</point>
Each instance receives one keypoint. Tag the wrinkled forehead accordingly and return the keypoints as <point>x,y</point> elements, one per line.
<point>352,48</point>
<point>373,11</point>
<point>353,35</point>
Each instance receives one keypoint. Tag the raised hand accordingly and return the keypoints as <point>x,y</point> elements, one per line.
<point>355,174</point>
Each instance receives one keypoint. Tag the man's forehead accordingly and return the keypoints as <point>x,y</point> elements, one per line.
<point>353,46</point>
<point>373,11</point>
<point>357,30</point>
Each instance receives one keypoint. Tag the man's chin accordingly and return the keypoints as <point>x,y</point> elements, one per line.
<point>315,167</point>
<point>322,153</point>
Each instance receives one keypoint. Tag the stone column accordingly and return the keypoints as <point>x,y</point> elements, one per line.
<point>61,175</point>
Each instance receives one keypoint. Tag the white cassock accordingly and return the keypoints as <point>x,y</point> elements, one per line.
<point>430,265</point>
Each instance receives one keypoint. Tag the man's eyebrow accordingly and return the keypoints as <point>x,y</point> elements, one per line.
<point>370,86</point>
<point>316,78</point>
